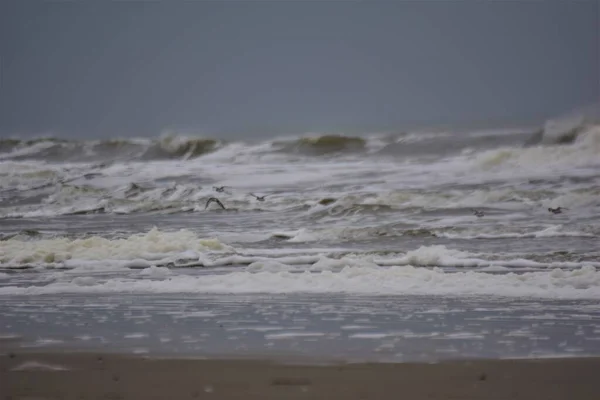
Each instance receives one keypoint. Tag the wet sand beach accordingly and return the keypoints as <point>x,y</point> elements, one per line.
<point>111,376</point>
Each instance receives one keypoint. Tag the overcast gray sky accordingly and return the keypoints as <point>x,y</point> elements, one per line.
<point>235,68</point>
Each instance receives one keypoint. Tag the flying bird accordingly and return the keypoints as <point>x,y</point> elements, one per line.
<point>259,198</point>
<point>478,213</point>
<point>215,200</point>
<point>557,210</point>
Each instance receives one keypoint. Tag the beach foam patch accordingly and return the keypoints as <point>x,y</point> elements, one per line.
<point>155,245</point>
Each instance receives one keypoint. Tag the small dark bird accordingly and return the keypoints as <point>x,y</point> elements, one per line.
<point>92,175</point>
<point>478,213</point>
<point>214,199</point>
<point>259,198</point>
<point>556,210</point>
<point>219,189</point>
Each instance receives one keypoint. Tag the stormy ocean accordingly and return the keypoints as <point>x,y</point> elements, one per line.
<point>392,246</point>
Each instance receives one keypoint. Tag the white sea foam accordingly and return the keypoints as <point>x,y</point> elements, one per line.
<point>584,152</point>
<point>24,151</point>
<point>398,280</point>
<point>9,336</point>
<point>331,264</point>
<point>441,256</point>
<point>355,327</point>
<point>154,245</point>
<point>156,249</point>
<point>261,328</point>
<point>293,335</point>
<point>461,335</point>
<point>267,265</point>
<point>495,233</point>
<point>39,366</point>
<point>370,335</point>
<point>437,255</point>
<point>156,272</point>
<point>137,335</point>
<point>197,314</point>
<point>248,174</point>
<point>368,196</point>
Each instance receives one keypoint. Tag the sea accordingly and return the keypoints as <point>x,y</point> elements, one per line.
<point>422,245</point>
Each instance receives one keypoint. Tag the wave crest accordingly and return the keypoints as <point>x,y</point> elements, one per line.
<point>173,145</point>
<point>169,146</point>
<point>566,129</point>
<point>326,144</point>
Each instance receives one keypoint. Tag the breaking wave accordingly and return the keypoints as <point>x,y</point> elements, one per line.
<point>144,249</point>
<point>566,129</point>
<point>422,271</point>
<point>351,234</point>
<point>327,144</point>
<point>582,283</point>
<point>583,151</point>
<point>562,137</point>
<point>174,146</point>
<point>42,193</point>
<point>168,146</point>
<point>184,248</point>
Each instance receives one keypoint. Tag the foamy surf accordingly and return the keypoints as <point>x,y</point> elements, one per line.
<point>144,249</point>
<point>332,203</point>
<point>383,243</point>
<point>184,248</point>
<point>582,283</point>
<point>43,189</point>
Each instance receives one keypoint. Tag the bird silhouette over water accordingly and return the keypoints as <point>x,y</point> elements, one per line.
<point>557,210</point>
<point>214,200</point>
<point>478,213</point>
<point>259,198</point>
<point>219,189</point>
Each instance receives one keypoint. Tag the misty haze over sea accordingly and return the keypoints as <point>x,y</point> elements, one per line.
<point>263,68</point>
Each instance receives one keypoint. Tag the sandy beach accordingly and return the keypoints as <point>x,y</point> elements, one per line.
<point>111,376</point>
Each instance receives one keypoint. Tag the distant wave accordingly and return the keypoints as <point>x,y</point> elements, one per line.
<point>567,128</point>
<point>173,146</point>
<point>578,146</point>
<point>326,144</point>
<point>362,184</point>
<point>169,146</point>
<point>563,130</point>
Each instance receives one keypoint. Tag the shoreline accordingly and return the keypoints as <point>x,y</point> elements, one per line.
<point>98,375</point>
